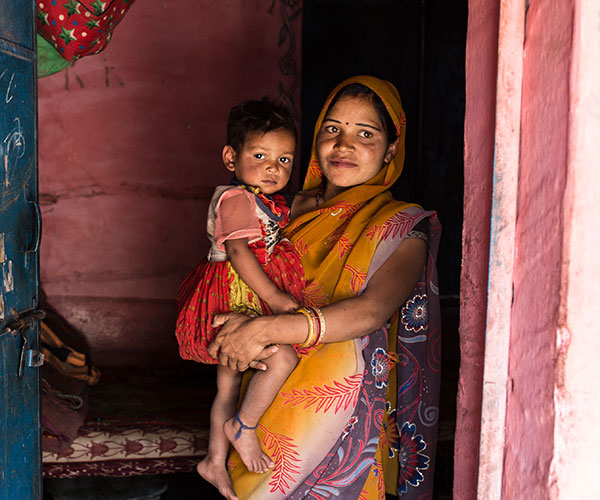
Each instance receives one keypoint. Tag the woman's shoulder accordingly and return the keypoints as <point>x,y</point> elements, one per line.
<point>406,221</point>
<point>402,209</point>
<point>399,217</point>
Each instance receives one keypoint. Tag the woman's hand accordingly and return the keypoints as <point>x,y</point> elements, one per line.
<point>238,344</point>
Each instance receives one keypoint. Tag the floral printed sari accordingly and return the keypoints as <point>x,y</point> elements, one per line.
<point>359,417</point>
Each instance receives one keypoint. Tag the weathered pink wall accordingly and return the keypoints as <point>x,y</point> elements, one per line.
<point>538,248</point>
<point>481,63</point>
<point>130,144</point>
<point>548,444</point>
<point>576,459</point>
<point>505,188</point>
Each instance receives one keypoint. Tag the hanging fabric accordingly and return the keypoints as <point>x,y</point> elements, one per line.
<point>76,28</point>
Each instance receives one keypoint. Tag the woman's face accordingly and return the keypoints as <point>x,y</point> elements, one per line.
<point>352,144</point>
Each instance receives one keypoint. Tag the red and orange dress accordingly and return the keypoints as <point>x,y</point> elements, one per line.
<point>214,287</point>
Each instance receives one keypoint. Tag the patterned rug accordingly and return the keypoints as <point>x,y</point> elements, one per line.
<point>139,423</point>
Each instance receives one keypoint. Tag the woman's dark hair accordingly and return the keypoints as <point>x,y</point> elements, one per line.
<point>360,90</point>
<point>261,115</point>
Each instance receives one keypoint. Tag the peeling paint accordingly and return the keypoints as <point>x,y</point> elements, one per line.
<point>6,183</point>
<point>2,249</point>
<point>7,275</point>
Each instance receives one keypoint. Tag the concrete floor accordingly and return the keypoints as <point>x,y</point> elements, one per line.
<point>190,486</point>
<point>179,487</point>
<point>193,487</point>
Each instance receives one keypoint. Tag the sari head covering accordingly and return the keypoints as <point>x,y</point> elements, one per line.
<point>355,220</point>
<point>337,428</point>
<point>393,104</point>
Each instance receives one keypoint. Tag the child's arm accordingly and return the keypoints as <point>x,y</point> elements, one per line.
<point>244,262</point>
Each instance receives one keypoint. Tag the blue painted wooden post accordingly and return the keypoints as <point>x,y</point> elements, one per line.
<point>20,225</point>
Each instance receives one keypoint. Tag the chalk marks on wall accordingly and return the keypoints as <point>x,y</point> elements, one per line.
<point>8,96</point>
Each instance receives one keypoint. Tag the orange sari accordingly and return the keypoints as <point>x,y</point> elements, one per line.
<point>337,428</point>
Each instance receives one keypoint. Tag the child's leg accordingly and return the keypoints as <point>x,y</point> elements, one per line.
<point>262,389</point>
<point>213,466</point>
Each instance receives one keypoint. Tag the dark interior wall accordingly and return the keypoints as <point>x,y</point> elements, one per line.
<point>419,47</point>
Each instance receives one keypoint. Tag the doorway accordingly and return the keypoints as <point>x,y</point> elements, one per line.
<point>420,48</point>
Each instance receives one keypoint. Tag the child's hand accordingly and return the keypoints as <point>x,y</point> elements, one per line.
<point>282,303</point>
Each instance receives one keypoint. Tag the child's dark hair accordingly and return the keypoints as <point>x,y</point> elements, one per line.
<point>360,90</point>
<point>261,115</point>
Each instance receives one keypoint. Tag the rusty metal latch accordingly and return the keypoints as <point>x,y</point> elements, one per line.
<point>22,322</point>
<point>30,358</point>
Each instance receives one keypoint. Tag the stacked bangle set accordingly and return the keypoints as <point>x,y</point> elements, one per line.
<point>316,326</point>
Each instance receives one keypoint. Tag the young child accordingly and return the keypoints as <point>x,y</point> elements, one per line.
<point>250,269</point>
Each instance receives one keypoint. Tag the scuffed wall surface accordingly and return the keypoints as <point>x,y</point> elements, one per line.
<point>550,443</point>
<point>576,461</point>
<point>130,146</point>
<point>481,63</point>
<point>538,252</point>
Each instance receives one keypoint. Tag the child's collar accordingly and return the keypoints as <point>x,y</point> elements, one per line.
<point>253,189</point>
<point>264,201</point>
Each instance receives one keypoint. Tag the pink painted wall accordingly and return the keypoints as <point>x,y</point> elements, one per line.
<point>576,459</point>
<point>549,447</point>
<point>538,249</point>
<point>130,145</point>
<point>481,63</point>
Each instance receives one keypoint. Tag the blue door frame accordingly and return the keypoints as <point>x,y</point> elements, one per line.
<point>20,225</point>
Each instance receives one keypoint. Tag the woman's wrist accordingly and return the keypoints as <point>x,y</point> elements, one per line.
<point>267,326</point>
<point>283,329</point>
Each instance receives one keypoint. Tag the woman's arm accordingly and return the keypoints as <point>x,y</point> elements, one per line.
<point>242,340</point>
<point>244,262</point>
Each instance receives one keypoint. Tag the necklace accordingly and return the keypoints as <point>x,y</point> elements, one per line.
<point>320,195</point>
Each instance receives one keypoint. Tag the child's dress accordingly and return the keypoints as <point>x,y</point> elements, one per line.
<point>214,287</point>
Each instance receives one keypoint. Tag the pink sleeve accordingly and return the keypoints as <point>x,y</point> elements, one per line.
<point>236,217</point>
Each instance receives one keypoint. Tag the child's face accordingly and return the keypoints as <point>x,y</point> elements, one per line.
<point>264,160</point>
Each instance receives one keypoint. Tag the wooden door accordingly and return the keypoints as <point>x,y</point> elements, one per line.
<point>20,225</point>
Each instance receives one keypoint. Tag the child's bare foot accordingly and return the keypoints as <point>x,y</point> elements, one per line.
<point>217,475</point>
<point>247,445</point>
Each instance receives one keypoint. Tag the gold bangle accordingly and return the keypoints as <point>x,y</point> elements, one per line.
<point>312,333</point>
<point>322,324</point>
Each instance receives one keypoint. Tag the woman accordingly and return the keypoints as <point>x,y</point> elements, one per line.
<point>358,416</point>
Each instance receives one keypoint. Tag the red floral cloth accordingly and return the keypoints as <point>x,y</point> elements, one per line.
<point>78,28</point>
